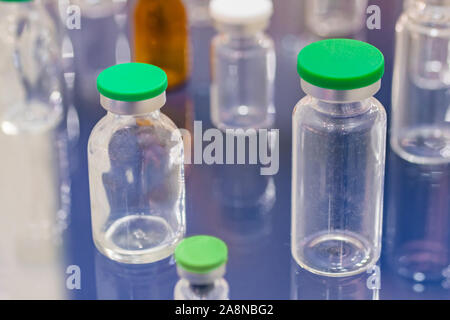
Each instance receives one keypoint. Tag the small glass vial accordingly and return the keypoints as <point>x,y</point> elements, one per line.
<point>339,138</point>
<point>243,65</point>
<point>136,170</point>
<point>418,217</point>
<point>201,262</point>
<point>335,18</point>
<point>30,68</point>
<point>162,37</point>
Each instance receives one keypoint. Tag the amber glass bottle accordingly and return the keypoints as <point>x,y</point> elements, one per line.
<point>162,38</point>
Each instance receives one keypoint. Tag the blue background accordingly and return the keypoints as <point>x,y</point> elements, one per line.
<point>260,264</point>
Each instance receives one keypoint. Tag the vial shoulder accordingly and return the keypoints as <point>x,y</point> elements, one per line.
<point>144,130</point>
<point>308,114</point>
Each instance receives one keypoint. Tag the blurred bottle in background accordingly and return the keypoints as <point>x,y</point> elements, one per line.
<point>243,65</point>
<point>35,212</point>
<point>335,18</point>
<point>100,42</point>
<point>198,12</point>
<point>161,37</point>
<point>99,8</point>
<point>30,68</point>
<point>418,216</point>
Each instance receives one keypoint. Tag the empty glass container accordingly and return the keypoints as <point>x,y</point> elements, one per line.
<point>201,262</point>
<point>242,65</point>
<point>30,68</point>
<point>335,18</point>
<point>136,170</point>
<point>419,197</point>
<point>339,136</point>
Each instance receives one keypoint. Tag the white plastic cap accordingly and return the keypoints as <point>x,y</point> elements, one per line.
<point>241,11</point>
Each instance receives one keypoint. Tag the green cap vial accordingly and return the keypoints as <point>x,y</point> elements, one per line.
<point>132,88</point>
<point>201,262</point>
<point>201,254</point>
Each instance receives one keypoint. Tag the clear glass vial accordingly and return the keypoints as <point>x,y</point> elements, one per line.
<point>335,18</point>
<point>201,262</point>
<point>30,68</point>
<point>419,199</point>
<point>339,139</point>
<point>242,65</point>
<point>136,170</point>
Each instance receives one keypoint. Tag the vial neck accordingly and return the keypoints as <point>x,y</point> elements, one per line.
<point>239,32</point>
<point>342,109</point>
<point>153,114</point>
<point>202,290</point>
<point>133,108</point>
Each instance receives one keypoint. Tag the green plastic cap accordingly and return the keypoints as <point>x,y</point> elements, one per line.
<point>201,254</point>
<point>340,64</point>
<point>132,82</point>
<point>16,0</point>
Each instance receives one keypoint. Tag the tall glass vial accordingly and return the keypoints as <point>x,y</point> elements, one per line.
<point>136,170</point>
<point>201,262</point>
<point>162,37</point>
<point>30,68</point>
<point>419,194</point>
<point>335,18</point>
<point>339,138</point>
<point>242,65</point>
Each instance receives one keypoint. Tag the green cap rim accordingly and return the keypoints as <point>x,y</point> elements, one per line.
<point>201,254</point>
<point>340,64</point>
<point>132,82</point>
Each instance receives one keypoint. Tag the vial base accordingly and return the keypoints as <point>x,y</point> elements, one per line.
<point>34,117</point>
<point>335,254</point>
<point>242,117</point>
<point>138,239</point>
<point>422,261</point>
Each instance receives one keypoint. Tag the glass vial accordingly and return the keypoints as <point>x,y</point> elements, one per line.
<point>30,68</point>
<point>339,138</point>
<point>419,202</point>
<point>136,170</point>
<point>162,37</point>
<point>335,18</point>
<point>201,262</point>
<point>242,65</point>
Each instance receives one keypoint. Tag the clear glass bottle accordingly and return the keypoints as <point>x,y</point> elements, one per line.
<point>339,138</point>
<point>162,37</point>
<point>201,262</point>
<point>335,18</point>
<point>419,198</point>
<point>30,68</point>
<point>243,65</point>
<point>136,170</point>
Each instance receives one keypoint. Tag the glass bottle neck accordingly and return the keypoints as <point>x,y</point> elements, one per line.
<point>153,114</point>
<point>341,109</point>
<point>241,32</point>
